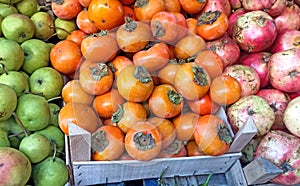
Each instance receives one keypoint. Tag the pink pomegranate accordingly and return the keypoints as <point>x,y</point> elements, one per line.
<point>259,62</point>
<point>246,76</point>
<point>286,39</point>
<point>254,31</point>
<point>251,106</point>
<point>235,4</point>
<point>284,70</point>
<point>221,5</point>
<point>278,101</point>
<point>233,18</point>
<point>272,7</point>
<point>289,18</point>
<point>283,150</point>
<point>226,48</point>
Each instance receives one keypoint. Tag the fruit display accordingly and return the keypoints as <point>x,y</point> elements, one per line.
<point>146,78</point>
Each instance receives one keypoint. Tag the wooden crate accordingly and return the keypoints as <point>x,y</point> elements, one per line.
<point>87,172</point>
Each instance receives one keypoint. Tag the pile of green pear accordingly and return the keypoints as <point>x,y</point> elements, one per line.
<point>31,142</point>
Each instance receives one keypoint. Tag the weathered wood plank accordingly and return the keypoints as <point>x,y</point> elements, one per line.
<point>80,143</point>
<point>260,171</point>
<point>87,173</point>
<point>243,136</point>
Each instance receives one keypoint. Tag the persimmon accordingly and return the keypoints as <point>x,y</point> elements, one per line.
<point>96,78</point>
<point>106,14</point>
<point>145,9</point>
<point>128,114</point>
<point>185,124</point>
<point>212,135</point>
<point>154,58</point>
<point>135,83</point>
<point>133,36</point>
<point>165,101</point>
<point>65,56</point>
<point>77,36</point>
<point>143,141</point>
<point>99,47</point>
<point>79,114</point>
<point>84,24</point>
<point>192,81</point>
<point>66,9</point>
<point>107,103</point>
<point>166,129</point>
<point>73,92</point>
<point>107,143</point>
<point>212,25</point>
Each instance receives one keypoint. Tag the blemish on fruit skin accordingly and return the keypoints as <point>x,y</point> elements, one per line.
<point>1,164</point>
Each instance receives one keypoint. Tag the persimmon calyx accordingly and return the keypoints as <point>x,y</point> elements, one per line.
<point>130,25</point>
<point>208,18</point>
<point>141,3</point>
<point>99,141</point>
<point>174,148</point>
<point>142,74</point>
<point>143,141</point>
<point>99,71</point>
<point>200,77</point>
<point>224,134</point>
<point>174,97</point>
<point>118,115</point>
<point>158,30</point>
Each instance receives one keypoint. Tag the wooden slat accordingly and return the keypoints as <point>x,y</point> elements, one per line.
<point>235,176</point>
<point>87,173</point>
<point>243,136</point>
<point>80,143</point>
<point>260,171</point>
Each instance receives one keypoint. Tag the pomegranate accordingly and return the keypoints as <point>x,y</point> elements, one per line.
<point>233,18</point>
<point>283,150</point>
<point>284,70</point>
<point>272,7</point>
<point>246,76</point>
<point>254,31</point>
<point>251,106</point>
<point>289,18</point>
<point>221,5</point>
<point>259,62</point>
<point>291,117</point>
<point>235,4</point>
<point>226,48</point>
<point>278,101</point>
<point>286,39</point>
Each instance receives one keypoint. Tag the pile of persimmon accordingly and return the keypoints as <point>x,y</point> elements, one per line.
<point>141,79</point>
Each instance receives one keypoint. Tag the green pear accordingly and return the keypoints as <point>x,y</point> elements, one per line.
<point>54,111</point>
<point>37,55</point>
<point>8,101</point>
<point>36,147</point>
<point>15,167</point>
<point>33,111</point>
<point>46,80</point>
<point>17,27</point>
<point>4,142</point>
<point>16,80</point>
<point>50,172</point>
<point>7,9</point>
<point>10,2</point>
<point>28,7</point>
<point>44,25</point>
<point>13,128</point>
<point>1,18</point>
<point>55,135</point>
<point>64,27</point>
<point>11,55</point>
